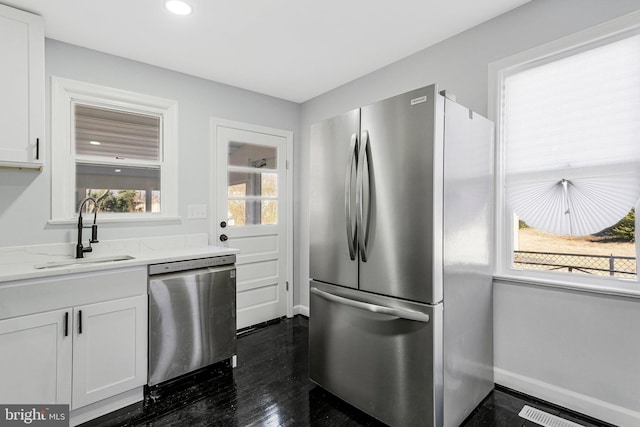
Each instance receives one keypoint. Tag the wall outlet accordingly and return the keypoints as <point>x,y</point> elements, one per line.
<point>196,211</point>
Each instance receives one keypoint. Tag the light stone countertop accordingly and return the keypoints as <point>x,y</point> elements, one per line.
<point>18,263</point>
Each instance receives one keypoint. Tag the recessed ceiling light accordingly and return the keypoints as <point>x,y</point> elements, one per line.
<point>118,170</point>
<point>178,7</point>
<point>94,142</point>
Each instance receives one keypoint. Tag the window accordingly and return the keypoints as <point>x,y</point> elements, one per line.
<point>568,128</point>
<point>252,184</point>
<point>116,146</point>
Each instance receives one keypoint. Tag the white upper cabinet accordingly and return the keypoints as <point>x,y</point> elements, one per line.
<point>22,88</point>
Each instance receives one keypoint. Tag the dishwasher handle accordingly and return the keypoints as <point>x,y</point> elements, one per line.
<point>192,264</point>
<point>401,313</point>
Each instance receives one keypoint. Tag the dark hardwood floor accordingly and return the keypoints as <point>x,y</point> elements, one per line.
<point>270,387</point>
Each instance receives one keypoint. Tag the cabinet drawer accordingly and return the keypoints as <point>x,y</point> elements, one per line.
<point>382,363</point>
<point>25,297</point>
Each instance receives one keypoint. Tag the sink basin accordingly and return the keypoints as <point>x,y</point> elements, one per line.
<point>83,261</point>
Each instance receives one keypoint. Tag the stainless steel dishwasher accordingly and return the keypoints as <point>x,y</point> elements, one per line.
<point>192,316</point>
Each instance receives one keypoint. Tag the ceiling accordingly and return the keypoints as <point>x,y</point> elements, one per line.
<point>290,49</point>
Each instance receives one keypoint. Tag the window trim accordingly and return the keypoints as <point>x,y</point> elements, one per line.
<point>64,92</point>
<point>623,27</point>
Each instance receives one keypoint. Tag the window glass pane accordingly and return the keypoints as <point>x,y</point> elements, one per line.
<point>252,212</point>
<point>130,189</point>
<point>238,190</point>
<point>131,201</point>
<point>236,213</point>
<point>571,153</point>
<point>241,184</point>
<point>155,201</point>
<point>610,252</point>
<point>269,185</point>
<point>269,212</point>
<point>253,156</point>
<point>112,133</point>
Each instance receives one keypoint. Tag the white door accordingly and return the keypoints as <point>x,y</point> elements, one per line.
<point>251,215</point>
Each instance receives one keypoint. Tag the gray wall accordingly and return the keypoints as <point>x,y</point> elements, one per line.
<point>460,64</point>
<point>568,340</point>
<point>25,195</point>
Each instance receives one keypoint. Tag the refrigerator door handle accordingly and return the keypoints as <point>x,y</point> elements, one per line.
<point>395,312</point>
<point>351,237</point>
<point>363,231</point>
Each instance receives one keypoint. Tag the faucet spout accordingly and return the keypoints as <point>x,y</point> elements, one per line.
<point>80,249</point>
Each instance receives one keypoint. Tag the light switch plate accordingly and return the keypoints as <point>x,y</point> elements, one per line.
<point>196,211</point>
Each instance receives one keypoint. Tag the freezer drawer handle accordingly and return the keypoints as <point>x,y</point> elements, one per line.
<point>396,312</point>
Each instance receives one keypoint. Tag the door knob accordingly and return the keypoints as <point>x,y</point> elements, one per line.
<point>224,238</point>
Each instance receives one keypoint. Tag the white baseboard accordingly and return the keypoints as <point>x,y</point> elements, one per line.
<point>105,406</point>
<point>578,402</point>
<point>301,309</point>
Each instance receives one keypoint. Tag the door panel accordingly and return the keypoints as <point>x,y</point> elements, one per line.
<point>402,206</point>
<point>251,215</point>
<point>386,365</point>
<point>110,347</point>
<point>35,360</point>
<point>333,191</point>
<point>192,321</point>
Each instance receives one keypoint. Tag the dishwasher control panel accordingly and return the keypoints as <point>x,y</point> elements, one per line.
<point>191,264</point>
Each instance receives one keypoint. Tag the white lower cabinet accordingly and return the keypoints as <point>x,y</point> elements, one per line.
<point>109,349</point>
<point>35,358</point>
<point>75,356</point>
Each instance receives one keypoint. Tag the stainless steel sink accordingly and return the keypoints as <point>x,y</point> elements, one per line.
<point>83,261</point>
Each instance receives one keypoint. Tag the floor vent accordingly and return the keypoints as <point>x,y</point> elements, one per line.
<point>545,419</point>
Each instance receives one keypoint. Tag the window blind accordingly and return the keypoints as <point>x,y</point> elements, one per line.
<point>571,129</point>
<point>116,133</point>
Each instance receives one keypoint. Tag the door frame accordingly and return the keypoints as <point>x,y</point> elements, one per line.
<point>288,135</point>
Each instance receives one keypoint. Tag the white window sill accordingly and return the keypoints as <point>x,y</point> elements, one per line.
<point>619,287</point>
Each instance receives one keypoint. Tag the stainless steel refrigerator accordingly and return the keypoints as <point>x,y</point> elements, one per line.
<point>400,322</point>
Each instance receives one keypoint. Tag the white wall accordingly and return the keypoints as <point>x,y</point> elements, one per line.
<point>25,195</point>
<point>604,383</point>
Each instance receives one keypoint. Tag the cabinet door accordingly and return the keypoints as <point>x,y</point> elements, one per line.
<point>22,88</point>
<point>110,349</point>
<point>35,359</point>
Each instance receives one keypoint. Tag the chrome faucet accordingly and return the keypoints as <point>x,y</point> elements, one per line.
<point>80,250</point>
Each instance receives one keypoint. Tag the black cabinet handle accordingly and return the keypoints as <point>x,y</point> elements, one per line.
<point>223,238</point>
<point>66,323</point>
<point>37,148</point>
<point>223,224</point>
<point>79,321</point>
